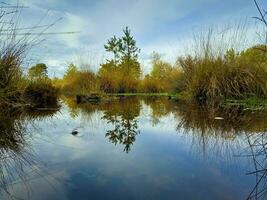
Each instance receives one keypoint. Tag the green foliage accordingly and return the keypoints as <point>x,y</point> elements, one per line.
<point>128,48</point>
<point>38,71</point>
<point>114,45</point>
<point>121,74</point>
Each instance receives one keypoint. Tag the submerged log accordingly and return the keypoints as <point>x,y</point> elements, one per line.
<point>87,98</point>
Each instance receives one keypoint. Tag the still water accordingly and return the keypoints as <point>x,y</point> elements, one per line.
<point>133,148</point>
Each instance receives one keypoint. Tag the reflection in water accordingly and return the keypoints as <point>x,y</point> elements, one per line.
<point>121,113</point>
<point>122,116</point>
<point>160,107</point>
<point>214,131</point>
<point>16,156</point>
<point>257,152</point>
<point>233,122</point>
<point>225,122</point>
<point>13,156</point>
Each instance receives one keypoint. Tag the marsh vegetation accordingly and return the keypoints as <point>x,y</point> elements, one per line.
<point>120,133</point>
<point>133,132</point>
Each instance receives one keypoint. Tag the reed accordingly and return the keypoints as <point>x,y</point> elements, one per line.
<point>214,74</point>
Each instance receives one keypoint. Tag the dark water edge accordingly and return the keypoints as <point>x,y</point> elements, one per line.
<point>133,148</point>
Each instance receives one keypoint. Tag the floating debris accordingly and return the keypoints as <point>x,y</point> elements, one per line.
<point>75,132</point>
<point>218,118</point>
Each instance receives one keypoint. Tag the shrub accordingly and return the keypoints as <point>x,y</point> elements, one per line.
<point>163,78</point>
<point>233,75</point>
<point>78,82</point>
<point>41,93</point>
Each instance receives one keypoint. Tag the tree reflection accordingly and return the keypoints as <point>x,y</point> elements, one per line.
<point>160,107</point>
<point>212,129</point>
<point>123,116</point>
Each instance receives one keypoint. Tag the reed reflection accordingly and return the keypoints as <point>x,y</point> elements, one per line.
<point>16,154</point>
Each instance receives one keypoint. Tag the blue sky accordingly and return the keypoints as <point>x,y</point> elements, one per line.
<point>164,26</point>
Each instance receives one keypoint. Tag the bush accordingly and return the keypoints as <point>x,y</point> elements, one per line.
<point>234,76</point>
<point>78,82</point>
<point>41,93</point>
<point>164,77</point>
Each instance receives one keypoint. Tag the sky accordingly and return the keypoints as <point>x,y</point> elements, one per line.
<point>163,26</point>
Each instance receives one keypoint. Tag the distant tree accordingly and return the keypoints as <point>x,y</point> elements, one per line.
<point>128,48</point>
<point>71,72</point>
<point>114,45</point>
<point>122,73</point>
<point>163,77</point>
<point>38,71</point>
<point>160,68</point>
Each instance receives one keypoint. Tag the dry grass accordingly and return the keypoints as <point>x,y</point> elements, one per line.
<point>212,75</point>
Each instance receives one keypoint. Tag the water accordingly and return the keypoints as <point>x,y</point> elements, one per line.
<point>133,148</point>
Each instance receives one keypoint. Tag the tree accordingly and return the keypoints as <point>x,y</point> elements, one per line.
<point>128,48</point>
<point>163,77</point>
<point>71,72</point>
<point>122,73</point>
<point>129,52</point>
<point>114,45</point>
<point>38,71</point>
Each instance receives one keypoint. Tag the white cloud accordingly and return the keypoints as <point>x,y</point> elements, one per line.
<point>157,25</point>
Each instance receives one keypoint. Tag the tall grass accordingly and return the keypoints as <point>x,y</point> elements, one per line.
<point>12,51</point>
<point>15,43</point>
<point>214,74</point>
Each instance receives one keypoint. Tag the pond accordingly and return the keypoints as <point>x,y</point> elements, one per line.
<point>133,148</point>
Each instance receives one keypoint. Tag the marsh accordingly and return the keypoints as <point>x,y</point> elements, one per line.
<point>134,148</point>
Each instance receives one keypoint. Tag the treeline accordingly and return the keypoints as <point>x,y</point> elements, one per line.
<point>122,73</point>
<point>205,76</point>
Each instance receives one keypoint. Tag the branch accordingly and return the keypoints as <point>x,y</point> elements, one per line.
<point>260,12</point>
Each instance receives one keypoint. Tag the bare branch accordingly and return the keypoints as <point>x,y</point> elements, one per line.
<point>262,15</point>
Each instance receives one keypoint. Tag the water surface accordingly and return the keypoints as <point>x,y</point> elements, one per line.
<point>133,148</point>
